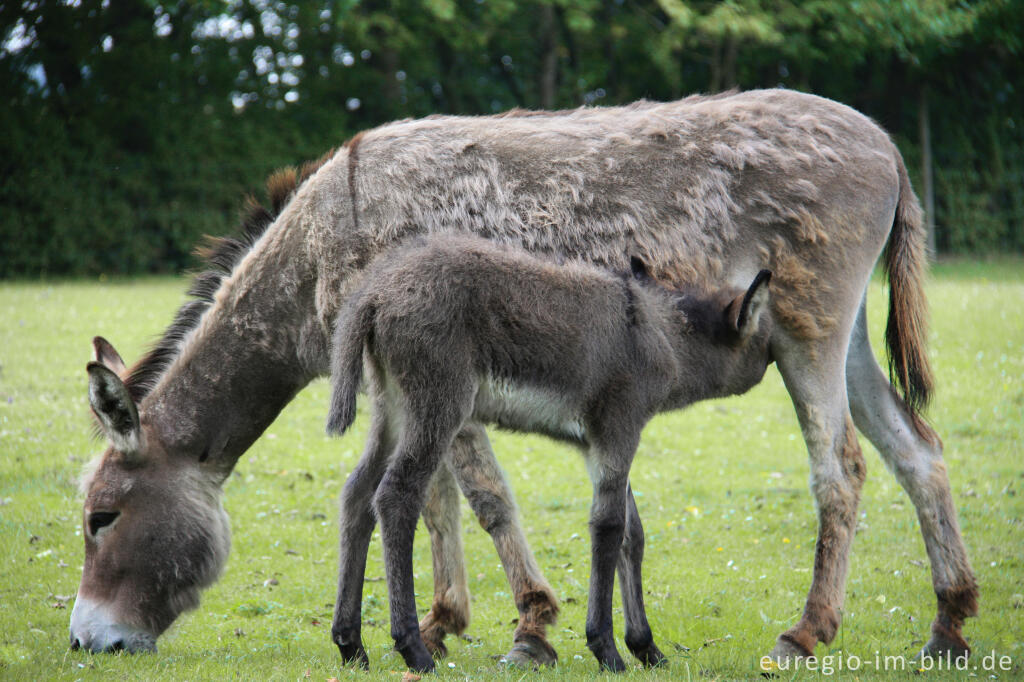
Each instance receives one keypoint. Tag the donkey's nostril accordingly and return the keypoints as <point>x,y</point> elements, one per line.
<point>75,644</point>
<point>117,646</point>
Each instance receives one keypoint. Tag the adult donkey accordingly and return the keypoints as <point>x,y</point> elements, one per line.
<point>707,189</point>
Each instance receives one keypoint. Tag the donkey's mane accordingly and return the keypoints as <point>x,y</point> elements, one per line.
<point>220,256</point>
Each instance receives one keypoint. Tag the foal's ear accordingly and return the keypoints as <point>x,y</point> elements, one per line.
<point>743,314</point>
<point>638,269</point>
<point>114,407</point>
<point>105,354</point>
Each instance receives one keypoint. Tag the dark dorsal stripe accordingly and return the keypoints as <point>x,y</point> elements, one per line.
<point>220,255</point>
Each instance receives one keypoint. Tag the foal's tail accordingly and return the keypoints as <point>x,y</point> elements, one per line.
<point>355,321</point>
<point>907,328</point>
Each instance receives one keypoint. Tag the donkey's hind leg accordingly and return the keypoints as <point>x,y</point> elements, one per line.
<point>484,485</point>
<point>837,475</point>
<point>449,612</point>
<point>913,452</point>
<point>357,525</point>
<point>639,638</point>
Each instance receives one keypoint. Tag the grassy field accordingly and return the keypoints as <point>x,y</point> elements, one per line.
<point>722,489</point>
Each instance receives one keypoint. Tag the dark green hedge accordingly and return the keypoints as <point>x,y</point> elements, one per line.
<point>122,140</point>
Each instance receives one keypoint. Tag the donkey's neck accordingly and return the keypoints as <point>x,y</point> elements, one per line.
<point>253,350</point>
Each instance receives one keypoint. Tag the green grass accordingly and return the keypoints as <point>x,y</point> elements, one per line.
<point>722,489</point>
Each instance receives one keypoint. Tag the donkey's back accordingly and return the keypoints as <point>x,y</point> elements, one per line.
<point>686,182</point>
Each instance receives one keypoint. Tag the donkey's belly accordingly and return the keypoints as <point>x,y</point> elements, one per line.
<point>527,408</point>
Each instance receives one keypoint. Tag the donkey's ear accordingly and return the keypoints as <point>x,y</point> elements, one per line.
<point>638,269</point>
<point>743,314</point>
<point>104,353</point>
<point>114,407</point>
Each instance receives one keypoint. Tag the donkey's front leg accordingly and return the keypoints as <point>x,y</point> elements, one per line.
<point>484,485</point>
<point>639,638</point>
<point>608,466</point>
<point>449,612</point>
<point>357,525</point>
<point>837,475</point>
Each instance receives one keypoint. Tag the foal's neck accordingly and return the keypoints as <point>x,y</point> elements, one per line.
<point>253,350</point>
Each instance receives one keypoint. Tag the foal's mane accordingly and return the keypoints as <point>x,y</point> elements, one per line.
<point>220,255</point>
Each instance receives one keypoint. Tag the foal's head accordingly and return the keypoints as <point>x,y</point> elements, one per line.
<point>723,337</point>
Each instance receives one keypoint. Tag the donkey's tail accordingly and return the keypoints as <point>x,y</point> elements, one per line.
<point>355,321</point>
<point>907,329</point>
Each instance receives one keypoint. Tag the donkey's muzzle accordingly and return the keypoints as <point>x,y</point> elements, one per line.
<point>94,630</point>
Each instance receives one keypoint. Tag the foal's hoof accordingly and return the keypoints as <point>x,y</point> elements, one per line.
<point>613,664</point>
<point>650,656</point>
<point>415,654</point>
<point>354,653</point>
<point>530,651</point>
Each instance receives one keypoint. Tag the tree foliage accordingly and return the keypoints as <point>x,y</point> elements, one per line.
<point>134,126</point>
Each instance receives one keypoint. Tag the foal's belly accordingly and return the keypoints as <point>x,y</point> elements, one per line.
<point>519,407</point>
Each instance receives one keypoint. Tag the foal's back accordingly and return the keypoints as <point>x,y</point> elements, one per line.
<point>510,315</point>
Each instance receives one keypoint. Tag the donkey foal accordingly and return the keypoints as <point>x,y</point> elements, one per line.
<point>458,329</point>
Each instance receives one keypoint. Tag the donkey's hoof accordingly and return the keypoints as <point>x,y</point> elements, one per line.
<point>433,639</point>
<point>945,645</point>
<point>437,649</point>
<point>530,651</point>
<point>785,655</point>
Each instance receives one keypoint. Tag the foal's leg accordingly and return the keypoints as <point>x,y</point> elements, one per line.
<point>429,427</point>
<point>837,474</point>
<point>608,464</point>
<point>449,611</point>
<point>484,485</point>
<point>916,460</point>
<point>357,524</point>
<point>638,631</point>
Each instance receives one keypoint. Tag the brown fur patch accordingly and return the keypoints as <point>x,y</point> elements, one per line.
<point>280,186</point>
<point>959,602</point>
<point>823,621</point>
<point>450,620</point>
<point>853,457</point>
<point>538,606</point>
<point>801,636</point>
<point>797,290</point>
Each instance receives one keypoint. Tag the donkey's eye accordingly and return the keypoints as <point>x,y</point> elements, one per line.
<point>100,520</point>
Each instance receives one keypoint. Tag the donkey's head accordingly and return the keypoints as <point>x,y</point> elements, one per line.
<point>155,531</point>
